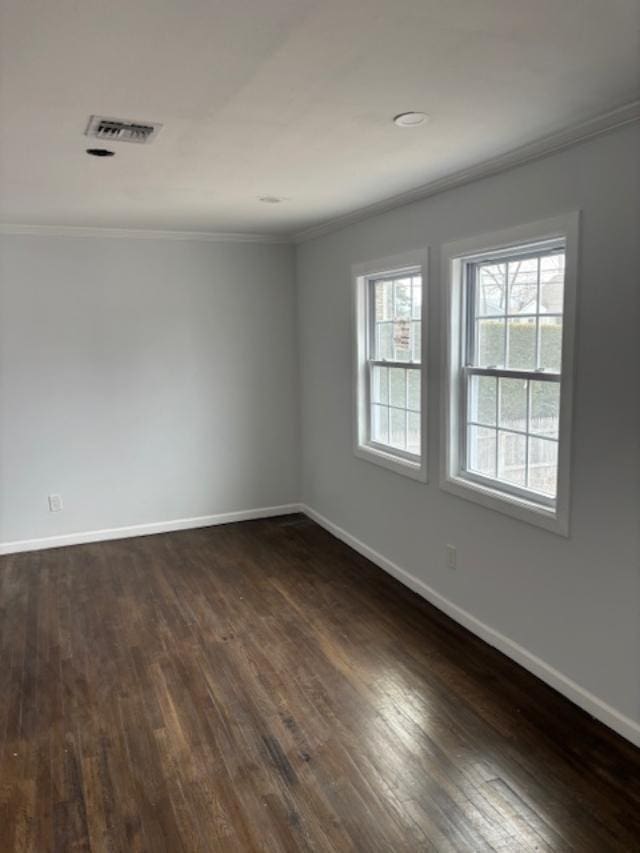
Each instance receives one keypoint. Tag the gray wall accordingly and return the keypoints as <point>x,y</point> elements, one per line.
<point>144,380</point>
<point>572,602</point>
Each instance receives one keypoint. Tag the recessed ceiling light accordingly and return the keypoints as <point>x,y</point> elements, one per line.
<point>410,119</point>
<point>100,152</point>
<point>270,199</point>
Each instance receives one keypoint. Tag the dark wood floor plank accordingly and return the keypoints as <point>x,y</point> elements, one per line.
<point>261,687</point>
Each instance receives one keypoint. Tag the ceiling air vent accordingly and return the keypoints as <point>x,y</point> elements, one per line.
<point>117,130</point>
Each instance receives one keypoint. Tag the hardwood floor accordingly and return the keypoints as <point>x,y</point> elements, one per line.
<point>260,686</point>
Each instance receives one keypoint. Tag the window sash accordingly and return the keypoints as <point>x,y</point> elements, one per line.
<point>372,281</point>
<point>391,449</point>
<point>470,267</point>
<point>496,483</point>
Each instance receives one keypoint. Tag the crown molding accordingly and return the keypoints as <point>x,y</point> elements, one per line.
<point>140,234</point>
<point>542,147</point>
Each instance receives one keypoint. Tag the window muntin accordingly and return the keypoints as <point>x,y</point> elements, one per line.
<point>394,356</point>
<point>511,373</point>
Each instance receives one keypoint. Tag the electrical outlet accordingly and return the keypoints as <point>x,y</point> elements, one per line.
<point>452,559</point>
<point>55,503</point>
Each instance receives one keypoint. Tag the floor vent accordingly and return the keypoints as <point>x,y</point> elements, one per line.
<point>118,130</point>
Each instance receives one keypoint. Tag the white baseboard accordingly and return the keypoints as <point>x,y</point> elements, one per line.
<point>599,709</point>
<point>145,529</point>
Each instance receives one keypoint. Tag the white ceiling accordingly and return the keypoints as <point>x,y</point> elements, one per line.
<point>286,97</point>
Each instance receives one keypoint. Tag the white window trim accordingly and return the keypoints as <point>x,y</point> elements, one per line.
<point>362,273</point>
<point>555,519</point>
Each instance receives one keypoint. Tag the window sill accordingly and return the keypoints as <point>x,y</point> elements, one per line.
<point>406,467</point>
<point>541,516</point>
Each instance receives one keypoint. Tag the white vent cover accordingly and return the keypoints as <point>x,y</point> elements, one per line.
<point>120,130</point>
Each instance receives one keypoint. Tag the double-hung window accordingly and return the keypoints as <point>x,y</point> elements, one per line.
<point>508,386</point>
<point>390,423</point>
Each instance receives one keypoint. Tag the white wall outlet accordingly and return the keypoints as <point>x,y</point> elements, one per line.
<point>452,557</point>
<point>55,503</point>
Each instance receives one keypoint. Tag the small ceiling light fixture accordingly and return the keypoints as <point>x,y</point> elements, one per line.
<point>270,199</point>
<point>410,119</point>
<point>100,152</point>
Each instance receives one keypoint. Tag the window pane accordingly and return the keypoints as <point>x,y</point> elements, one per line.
<point>380,424</point>
<point>523,286</point>
<point>384,342</point>
<point>398,427</point>
<point>380,390</point>
<point>416,312</point>
<point>402,340</point>
<point>481,451</point>
<point>543,466</point>
<point>416,341</point>
<point>413,436</point>
<point>544,413</point>
<point>513,404</point>
<point>512,454</point>
<point>552,284</point>
<point>413,390</point>
<point>397,387</point>
<point>383,300</point>
<point>551,343</point>
<point>490,346</point>
<point>490,289</point>
<point>482,406</point>
<point>522,344</point>
<point>402,299</point>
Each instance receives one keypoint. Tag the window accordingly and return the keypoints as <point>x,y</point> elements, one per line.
<point>508,383</point>
<point>389,364</point>
<point>512,369</point>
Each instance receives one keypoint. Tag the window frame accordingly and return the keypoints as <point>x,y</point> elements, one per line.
<point>512,500</point>
<point>363,275</point>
